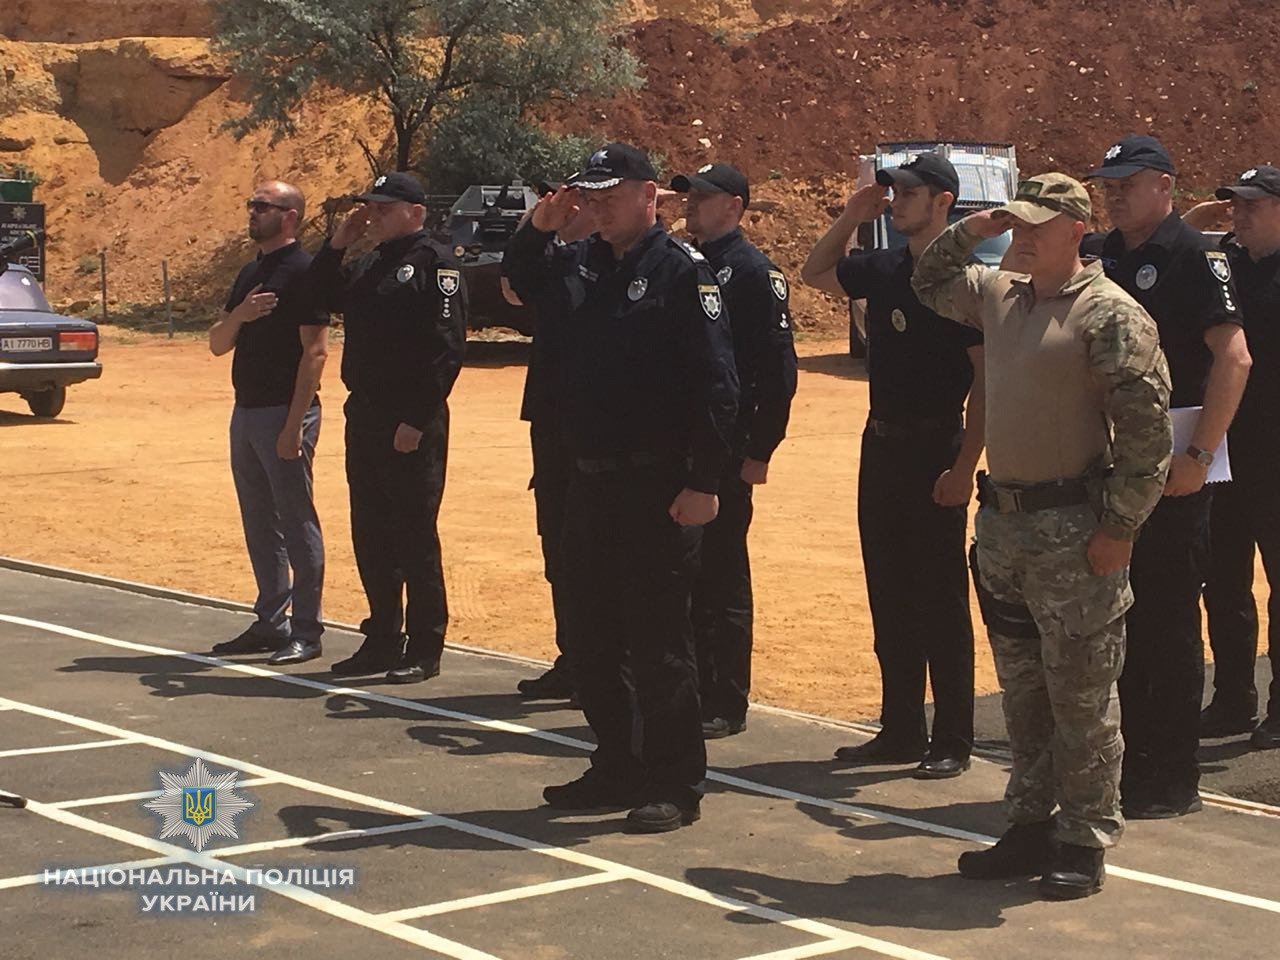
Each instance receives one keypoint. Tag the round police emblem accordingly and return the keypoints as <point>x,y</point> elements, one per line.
<point>405,273</point>
<point>899,320</point>
<point>637,288</point>
<point>1147,276</point>
<point>725,275</point>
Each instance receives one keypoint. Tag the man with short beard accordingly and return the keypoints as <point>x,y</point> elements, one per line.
<point>1078,439</point>
<point>920,449</point>
<point>280,350</point>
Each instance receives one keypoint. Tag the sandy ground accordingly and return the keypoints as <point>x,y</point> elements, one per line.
<point>132,481</point>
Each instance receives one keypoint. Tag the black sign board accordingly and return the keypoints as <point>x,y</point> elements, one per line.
<point>15,220</point>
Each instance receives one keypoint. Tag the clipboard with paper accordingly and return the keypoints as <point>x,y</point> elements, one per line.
<point>1184,426</point>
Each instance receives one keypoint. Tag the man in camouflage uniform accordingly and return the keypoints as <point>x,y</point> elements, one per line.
<point>1078,446</point>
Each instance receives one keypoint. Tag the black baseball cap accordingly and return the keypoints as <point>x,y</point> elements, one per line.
<point>613,163</point>
<point>925,169</point>
<point>1254,184</point>
<point>713,178</point>
<point>1135,152</point>
<point>393,187</point>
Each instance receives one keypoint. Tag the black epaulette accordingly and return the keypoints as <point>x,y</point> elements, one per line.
<point>688,249</point>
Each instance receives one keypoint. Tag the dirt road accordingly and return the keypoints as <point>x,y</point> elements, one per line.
<point>132,481</point>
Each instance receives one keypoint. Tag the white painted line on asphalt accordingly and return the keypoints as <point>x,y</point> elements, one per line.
<point>63,748</point>
<point>144,795</point>
<point>505,896</point>
<point>308,898</point>
<point>599,864</point>
<point>748,786</point>
<point>803,952</point>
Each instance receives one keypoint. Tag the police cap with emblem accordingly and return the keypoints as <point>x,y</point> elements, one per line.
<point>393,187</point>
<point>715,178</point>
<point>1254,184</point>
<point>927,169</point>
<point>1135,152</point>
<point>613,163</point>
<point>1040,199</point>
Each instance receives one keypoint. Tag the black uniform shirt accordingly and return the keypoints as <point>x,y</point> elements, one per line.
<point>1184,282</point>
<point>917,361</point>
<point>405,328</point>
<point>268,350</point>
<point>1257,423</point>
<point>540,401</point>
<point>756,294</point>
<point>647,348</point>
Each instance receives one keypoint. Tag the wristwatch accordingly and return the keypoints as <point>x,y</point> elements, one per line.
<point>1202,457</point>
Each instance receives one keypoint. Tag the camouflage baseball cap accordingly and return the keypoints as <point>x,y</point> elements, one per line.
<point>1040,199</point>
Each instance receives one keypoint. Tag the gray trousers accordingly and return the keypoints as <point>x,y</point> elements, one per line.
<point>281,528</point>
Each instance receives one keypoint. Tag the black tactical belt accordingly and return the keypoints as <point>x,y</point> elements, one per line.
<point>912,428</point>
<point>626,461</point>
<point>1005,498</point>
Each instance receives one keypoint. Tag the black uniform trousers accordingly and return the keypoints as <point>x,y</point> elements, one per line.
<point>913,552</point>
<point>722,605</point>
<point>629,569</point>
<point>395,503</point>
<point>1162,684</point>
<point>552,468</point>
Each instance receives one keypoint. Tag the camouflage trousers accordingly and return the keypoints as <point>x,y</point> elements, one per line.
<point>1060,701</point>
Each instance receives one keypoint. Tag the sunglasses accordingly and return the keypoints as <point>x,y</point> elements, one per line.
<point>262,206</point>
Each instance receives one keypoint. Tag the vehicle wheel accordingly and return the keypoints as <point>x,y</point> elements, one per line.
<point>47,403</point>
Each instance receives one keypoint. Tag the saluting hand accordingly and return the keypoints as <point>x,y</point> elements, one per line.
<point>692,508</point>
<point>556,210</point>
<point>407,438</point>
<point>867,203</point>
<point>354,226</point>
<point>988,223</point>
<point>255,305</point>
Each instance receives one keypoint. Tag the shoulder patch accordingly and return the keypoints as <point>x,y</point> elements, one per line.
<point>709,297</point>
<point>778,283</point>
<point>1219,264</point>
<point>448,281</point>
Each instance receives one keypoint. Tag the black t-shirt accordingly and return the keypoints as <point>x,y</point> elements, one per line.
<point>1184,282</point>
<point>268,350</point>
<point>917,361</point>
<point>1257,423</point>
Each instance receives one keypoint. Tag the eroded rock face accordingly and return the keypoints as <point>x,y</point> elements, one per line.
<point>84,21</point>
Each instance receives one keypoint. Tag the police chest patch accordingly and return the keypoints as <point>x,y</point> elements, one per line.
<point>405,273</point>
<point>899,320</point>
<point>709,297</point>
<point>724,275</point>
<point>1219,264</point>
<point>448,281</point>
<point>779,284</point>
<point>637,288</point>
<point>1147,276</point>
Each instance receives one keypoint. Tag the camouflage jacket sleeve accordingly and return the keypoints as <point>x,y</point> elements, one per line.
<point>1130,367</point>
<point>947,281</point>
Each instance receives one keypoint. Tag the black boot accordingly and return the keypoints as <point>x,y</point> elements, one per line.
<point>1218,720</point>
<point>554,684</point>
<point>376,655</point>
<point>1025,850</point>
<point>882,749</point>
<point>1077,872</point>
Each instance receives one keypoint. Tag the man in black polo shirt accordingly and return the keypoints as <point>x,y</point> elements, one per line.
<point>1251,513</point>
<point>1172,270</point>
<point>756,294</point>
<point>915,478</point>
<point>280,350</point>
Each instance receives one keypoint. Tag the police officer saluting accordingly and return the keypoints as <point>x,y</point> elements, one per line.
<point>915,476</point>
<point>404,337</point>
<point>1174,272</point>
<point>756,295</point>
<point>650,406</point>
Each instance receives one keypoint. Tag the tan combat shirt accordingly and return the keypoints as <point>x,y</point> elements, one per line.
<point>1073,381</point>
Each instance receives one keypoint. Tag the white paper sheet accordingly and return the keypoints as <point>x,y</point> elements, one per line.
<point>1184,425</point>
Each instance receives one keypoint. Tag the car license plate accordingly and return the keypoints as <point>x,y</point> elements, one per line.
<point>26,344</point>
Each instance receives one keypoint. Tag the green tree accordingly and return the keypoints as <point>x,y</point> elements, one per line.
<point>424,60</point>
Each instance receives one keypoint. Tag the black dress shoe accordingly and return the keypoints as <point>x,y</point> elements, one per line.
<point>296,651</point>
<point>591,791</point>
<point>662,816</point>
<point>554,684</point>
<point>1217,721</point>
<point>1076,872</point>
<point>414,671</point>
<point>1025,850</point>
<point>376,655</point>
<point>718,728</point>
<point>941,768</point>
<point>248,642</point>
<point>1154,807</point>
<point>1267,736</point>
<point>880,749</point>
